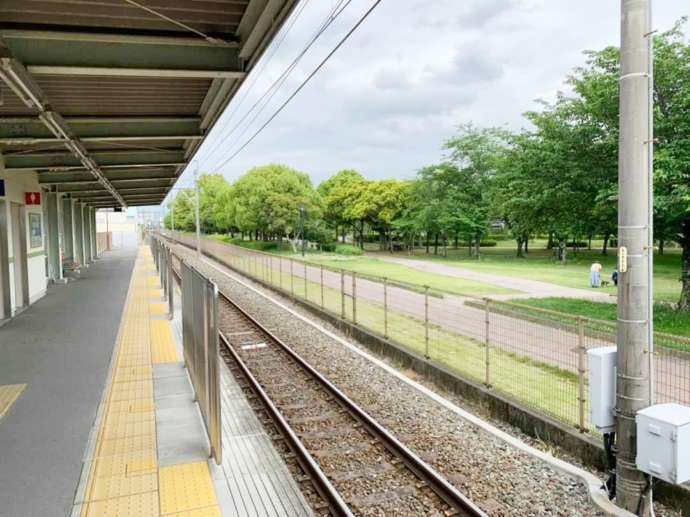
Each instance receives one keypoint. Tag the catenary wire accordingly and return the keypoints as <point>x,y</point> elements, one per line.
<point>331,17</point>
<point>303,84</point>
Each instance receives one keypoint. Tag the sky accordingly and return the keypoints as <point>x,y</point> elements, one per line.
<point>407,78</point>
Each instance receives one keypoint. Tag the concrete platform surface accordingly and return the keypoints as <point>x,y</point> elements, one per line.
<point>61,349</point>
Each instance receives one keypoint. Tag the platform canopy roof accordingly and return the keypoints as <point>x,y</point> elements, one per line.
<point>109,99</point>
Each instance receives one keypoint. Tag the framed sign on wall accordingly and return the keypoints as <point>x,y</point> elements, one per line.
<point>35,231</point>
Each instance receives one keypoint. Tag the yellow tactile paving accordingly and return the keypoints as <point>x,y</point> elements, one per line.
<point>158,309</point>
<point>155,293</point>
<point>140,505</point>
<point>9,393</point>
<point>163,349</point>
<point>131,444</point>
<point>186,487</point>
<point>209,511</point>
<point>124,479</point>
<point>130,464</point>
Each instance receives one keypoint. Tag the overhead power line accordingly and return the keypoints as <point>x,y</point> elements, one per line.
<point>264,63</point>
<point>275,86</point>
<point>304,83</point>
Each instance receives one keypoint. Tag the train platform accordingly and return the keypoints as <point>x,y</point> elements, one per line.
<point>98,416</point>
<point>54,359</point>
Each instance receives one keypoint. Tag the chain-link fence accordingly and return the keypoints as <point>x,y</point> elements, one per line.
<point>534,356</point>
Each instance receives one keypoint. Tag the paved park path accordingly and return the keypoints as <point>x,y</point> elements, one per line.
<point>524,338</point>
<point>529,288</point>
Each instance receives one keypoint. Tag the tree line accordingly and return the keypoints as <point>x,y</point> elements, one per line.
<point>558,177</point>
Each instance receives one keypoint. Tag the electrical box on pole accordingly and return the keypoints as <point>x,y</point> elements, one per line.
<point>663,442</point>
<point>602,387</point>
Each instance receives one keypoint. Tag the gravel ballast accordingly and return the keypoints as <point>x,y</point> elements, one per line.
<point>499,478</point>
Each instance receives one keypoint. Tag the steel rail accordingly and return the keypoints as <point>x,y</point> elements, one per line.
<point>441,487</point>
<point>448,493</point>
<point>323,486</point>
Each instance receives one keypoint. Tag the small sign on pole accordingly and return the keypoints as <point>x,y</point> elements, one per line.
<point>622,259</point>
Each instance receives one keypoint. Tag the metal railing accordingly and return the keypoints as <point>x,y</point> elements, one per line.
<point>536,357</point>
<point>199,336</point>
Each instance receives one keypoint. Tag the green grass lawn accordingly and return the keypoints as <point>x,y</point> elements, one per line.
<point>396,272</point>
<point>666,318</point>
<point>379,268</point>
<point>541,265</point>
<point>541,386</point>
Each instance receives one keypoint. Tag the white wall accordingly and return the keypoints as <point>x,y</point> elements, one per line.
<point>16,184</point>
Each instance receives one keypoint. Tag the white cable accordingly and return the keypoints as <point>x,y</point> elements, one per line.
<point>334,13</point>
<point>255,75</point>
<point>304,83</point>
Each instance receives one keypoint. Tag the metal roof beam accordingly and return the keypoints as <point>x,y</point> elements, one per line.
<point>49,52</point>
<point>112,175</point>
<point>90,192</point>
<point>96,71</point>
<point>130,196</point>
<point>105,159</point>
<point>96,139</point>
<point>88,128</point>
<point>22,84</point>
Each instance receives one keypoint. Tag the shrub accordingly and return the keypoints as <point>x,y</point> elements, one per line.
<point>328,246</point>
<point>578,244</point>
<point>347,249</point>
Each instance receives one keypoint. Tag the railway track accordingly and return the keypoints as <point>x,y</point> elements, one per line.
<point>355,465</point>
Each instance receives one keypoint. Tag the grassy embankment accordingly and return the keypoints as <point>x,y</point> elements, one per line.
<point>539,385</point>
<point>374,267</point>
<point>539,265</point>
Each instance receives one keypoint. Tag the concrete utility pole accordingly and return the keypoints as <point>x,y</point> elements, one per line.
<point>301,227</point>
<point>197,209</point>
<point>634,308</point>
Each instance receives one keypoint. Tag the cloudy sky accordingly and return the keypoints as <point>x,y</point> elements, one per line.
<point>385,103</point>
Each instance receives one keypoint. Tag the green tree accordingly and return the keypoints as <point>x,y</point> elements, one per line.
<point>211,186</point>
<point>477,155</point>
<point>267,200</point>
<point>379,204</point>
<point>182,209</point>
<point>596,88</point>
<point>337,196</point>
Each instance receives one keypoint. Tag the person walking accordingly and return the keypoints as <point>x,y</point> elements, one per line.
<point>595,275</point>
<point>614,276</point>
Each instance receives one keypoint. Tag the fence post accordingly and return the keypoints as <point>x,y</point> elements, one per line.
<point>342,293</point>
<point>280,271</point>
<point>385,308</point>
<point>354,298</point>
<point>487,355</point>
<point>426,322</point>
<point>581,372</point>
<point>171,285</point>
<point>292,278</point>
<point>270,268</point>
<point>322,286</point>
<point>306,297</point>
